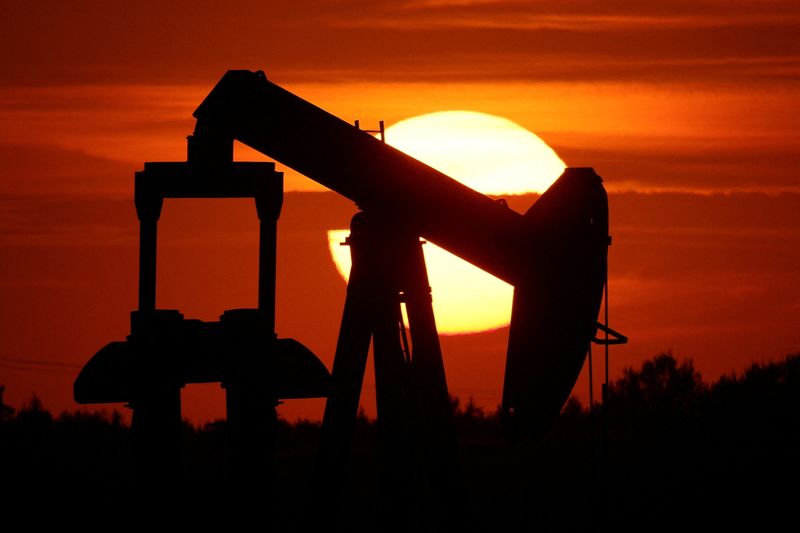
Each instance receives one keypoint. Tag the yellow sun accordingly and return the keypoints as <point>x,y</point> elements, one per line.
<point>492,155</point>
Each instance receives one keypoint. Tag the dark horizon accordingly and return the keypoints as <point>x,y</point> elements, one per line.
<point>676,444</point>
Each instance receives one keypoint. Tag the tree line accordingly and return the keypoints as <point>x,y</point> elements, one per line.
<point>666,448</point>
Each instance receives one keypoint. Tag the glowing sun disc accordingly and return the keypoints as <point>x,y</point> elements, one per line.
<point>492,155</point>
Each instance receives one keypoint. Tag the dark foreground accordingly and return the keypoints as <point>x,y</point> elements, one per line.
<point>677,453</point>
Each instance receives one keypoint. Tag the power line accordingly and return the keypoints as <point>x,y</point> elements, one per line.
<point>42,362</point>
<point>38,365</point>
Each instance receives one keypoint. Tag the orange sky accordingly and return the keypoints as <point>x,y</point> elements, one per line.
<point>689,111</point>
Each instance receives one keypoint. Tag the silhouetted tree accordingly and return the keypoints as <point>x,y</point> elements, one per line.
<point>573,408</point>
<point>662,391</point>
<point>677,448</point>
<point>661,380</point>
<point>760,403</point>
<point>6,411</point>
<point>33,416</point>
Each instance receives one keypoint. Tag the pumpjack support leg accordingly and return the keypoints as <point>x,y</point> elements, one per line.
<point>417,442</point>
<point>252,421</point>
<point>156,435</point>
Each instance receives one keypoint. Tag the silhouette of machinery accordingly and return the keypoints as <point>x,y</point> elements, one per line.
<point>165,351</point>
<point>554,255</point>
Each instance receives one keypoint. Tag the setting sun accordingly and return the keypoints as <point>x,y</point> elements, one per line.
<point>488,153</point>
<point>492,155</point>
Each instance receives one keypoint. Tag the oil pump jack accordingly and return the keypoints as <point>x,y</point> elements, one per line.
<point>555,256</point>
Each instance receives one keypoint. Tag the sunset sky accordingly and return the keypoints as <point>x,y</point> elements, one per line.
<point>689,110</point>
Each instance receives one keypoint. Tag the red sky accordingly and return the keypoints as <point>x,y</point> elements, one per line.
<point>689,111</point>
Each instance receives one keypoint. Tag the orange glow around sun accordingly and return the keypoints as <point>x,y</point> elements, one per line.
<point>492,155</point>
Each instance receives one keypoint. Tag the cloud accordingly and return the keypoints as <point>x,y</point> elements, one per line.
<point>48,170</point>
<point>577,16</point>
<point>90,140</point>
<point>687,164</point>
<point>51,221</point>
<point>92,42</point>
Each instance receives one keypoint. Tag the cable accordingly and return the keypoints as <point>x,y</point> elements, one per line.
<point>42,362</point>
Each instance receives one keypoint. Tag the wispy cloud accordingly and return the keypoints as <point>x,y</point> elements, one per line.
<point>58,222</point>
<point>587,23</point>
<point>333,41</point>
